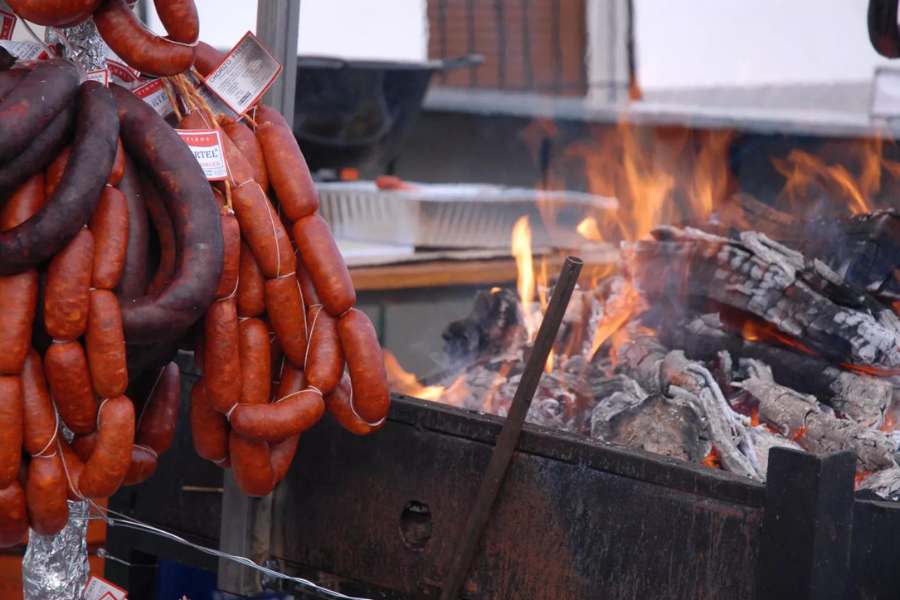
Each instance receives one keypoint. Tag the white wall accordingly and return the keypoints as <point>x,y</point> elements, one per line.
<point>388,29</point>
<point>687,43</point>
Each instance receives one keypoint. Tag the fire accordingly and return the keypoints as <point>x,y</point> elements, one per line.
<point>590,230</point>
<point>805,171</point>
<point>712,459</point>
<point>521,251</point>
<point>620,309</point>
<point>754,330</point>
<point>404,382</point>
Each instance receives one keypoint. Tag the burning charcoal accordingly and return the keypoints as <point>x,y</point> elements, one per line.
<point>816,429</point>
<point>660,426</point>
<point>884,484</point>
<point>692,385</point>
<point>764,440</point>
<point>804,300</point>
<point>864,249</point>
<point>493,327</point>
<point>615,395</point>
<point>862,398</point>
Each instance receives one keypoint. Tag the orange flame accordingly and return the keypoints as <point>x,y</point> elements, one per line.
<point>804,171</point>
<point>712,459</point>
<point>403,382</point>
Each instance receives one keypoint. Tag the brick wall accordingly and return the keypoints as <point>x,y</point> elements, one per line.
<point>528,45</point>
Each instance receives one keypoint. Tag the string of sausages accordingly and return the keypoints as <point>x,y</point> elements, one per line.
<point>116,251</point>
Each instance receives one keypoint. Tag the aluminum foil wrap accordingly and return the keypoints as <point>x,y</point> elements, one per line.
<point>82,44</point>
<point>55,567</point>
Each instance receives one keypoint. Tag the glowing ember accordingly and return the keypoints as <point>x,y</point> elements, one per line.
<point>712,459</point>
<point>590,230</point>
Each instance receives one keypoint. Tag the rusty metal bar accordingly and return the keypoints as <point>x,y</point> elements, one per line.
<point>509,435</point>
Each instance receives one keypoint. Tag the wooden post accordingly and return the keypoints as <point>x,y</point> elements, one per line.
<point>246,527</point>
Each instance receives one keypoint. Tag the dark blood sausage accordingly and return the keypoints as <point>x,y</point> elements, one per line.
<point>365,361</point>
<point>105,345</point>
<point>286,313</point>
<point>74,200</point>
<point>40,418</point>
<point>323,261</point>
<point>231,234</point>
<point>209,428</point>
<point>109,226</point>
<point>207,59</point>
<point>24,203</point>
<point>246,142</point>
<point>33,103</point>
<point>221,363</point>
<point>40,152</point>
<point>288,416</point>
<point>67,292</point>
<point>133,282</point>
<point>137,45</point>
<point>105,471</point>
<point>156,427</point>
<point>70,386</point>
<point>54,13</point>
<point>180,19</point>
<point>18,296</point>
<point>195,216</point>
<point>251,295</point>
<point>46,490</point>
<point>288,172</point>
<point>13,515</point>
<point>338,404</point>
<point>56,169</point>
<point>165,236</point>
<point>11,428</point>
<point>263,230</point>
<point>9,80</point>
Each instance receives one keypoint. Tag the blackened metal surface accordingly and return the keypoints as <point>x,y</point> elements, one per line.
<point>876,551</point>
<point>805,543</point>
<point>561,528</point>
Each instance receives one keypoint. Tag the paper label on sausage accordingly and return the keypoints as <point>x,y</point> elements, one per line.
<point>98,588</point>
<point>101,75</point>
<point>207,148</point>
<point>122,73</point>
<point>154,93</point>
<point>248,70</point>
<point>26,51</point>
<point>7,24</point>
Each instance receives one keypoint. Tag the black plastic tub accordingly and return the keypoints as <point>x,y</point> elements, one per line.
<point>356,113</point>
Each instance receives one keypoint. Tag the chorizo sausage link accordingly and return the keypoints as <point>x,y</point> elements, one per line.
<point>105,345</point>
<point>156,427</point>
<point>209,428</point>
<point>137,45</point>
<point>324,363</point>
<point>105,470</point>
<point>221,360</point>
<point>287,169</point>
<point>13,514</point>
<point>370,397</point>
<point>323,262</point>
<point>180,19</point>
<point>263,230</point>
<point>109,226</point>
<point>11,428</point>
<point>55,13</point>
<point>70,386</point>
<point>45,494</point>
<point>67,293</point>
<point>285,309</point>
<point>24,203</point>
<point>40,418</point>
<point>18,297</point>
<point>251,296</point>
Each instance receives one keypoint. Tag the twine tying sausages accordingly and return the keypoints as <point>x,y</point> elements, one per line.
<point>49,444</point>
